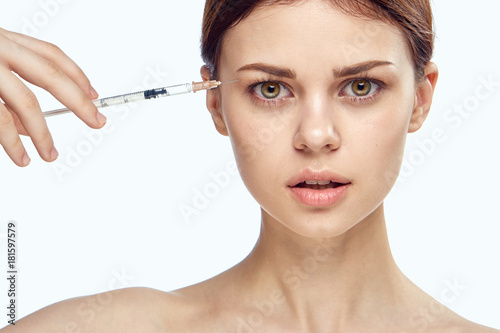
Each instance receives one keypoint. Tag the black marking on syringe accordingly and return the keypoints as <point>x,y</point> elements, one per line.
<point>155,93</point>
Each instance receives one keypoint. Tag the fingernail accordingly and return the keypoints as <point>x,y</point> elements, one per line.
<point>93,93</point>
<point>54,153</point>
<point>26,159</point>
<point>101,118</point>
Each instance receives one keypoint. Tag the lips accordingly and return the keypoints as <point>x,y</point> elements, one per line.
<point>323,178</point>
<point>318,185</point>
<point>318,188</point>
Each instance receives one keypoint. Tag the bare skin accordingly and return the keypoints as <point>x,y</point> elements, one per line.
<point>46,66</point>
<point>247,298</point>
<point>313,269</point>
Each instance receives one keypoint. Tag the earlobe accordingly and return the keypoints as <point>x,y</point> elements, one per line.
<point>213,104</point>
<point>423,97</point>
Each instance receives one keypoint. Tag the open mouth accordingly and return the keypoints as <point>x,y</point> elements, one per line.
<point>318,185</point>
<point>315,188</point>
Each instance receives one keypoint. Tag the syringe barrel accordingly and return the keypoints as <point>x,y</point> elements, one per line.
<point>142,95</point>
<point>179,89</point>
<point>117,100</point>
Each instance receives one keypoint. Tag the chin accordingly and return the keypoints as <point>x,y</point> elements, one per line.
<point>316,223</point>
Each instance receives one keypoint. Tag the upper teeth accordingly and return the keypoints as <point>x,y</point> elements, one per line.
<point>317,182</point>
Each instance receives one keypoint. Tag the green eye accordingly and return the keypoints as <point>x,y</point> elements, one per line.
<point>270,90</point>
<point>361,87</point>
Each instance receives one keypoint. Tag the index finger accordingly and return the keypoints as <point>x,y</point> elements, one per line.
<point>54,54</point>
<point>47,75</point>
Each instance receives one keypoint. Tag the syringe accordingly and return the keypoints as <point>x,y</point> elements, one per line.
<point>146,94</point>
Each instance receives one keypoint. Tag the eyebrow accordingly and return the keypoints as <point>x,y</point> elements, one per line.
<point>270,69</point>
<point>360,68</point>
<point>290,74</point>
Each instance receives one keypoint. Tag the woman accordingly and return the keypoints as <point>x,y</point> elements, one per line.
<point>318,124</point>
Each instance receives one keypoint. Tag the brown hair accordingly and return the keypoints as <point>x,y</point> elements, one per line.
<point>413,18</point>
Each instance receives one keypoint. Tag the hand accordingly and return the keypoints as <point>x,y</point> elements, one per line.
<point>45,65</point>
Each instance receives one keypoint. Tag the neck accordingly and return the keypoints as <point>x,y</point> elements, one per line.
<point>345,276</point>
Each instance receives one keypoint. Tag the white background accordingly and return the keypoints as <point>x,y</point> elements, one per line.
<point>118,211</point>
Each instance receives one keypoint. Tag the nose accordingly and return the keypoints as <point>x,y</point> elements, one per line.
<point>317,129</point>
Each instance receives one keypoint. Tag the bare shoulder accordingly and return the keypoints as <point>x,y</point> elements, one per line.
<point>190,310</point>
<point>123,310</point>
<point>209,306</point>
<point>431,316</point>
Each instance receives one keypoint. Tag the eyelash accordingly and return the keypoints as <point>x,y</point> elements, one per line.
<point>363,99</point>
<point>355,100</point>
<point>272,103</point>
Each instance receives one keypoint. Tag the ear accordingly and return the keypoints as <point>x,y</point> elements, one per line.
<point>213,104</point>
<point>423,97</point>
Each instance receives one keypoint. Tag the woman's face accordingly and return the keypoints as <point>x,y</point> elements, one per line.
<point>322,97</point>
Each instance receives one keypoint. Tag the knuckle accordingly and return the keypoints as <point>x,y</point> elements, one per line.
<point>52,70</point>
<point>30,101</point>
<point>53,50</point>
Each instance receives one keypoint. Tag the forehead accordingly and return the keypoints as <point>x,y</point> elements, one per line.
<point>309,36</point>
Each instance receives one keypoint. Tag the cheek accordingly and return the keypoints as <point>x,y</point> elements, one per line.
<point>255,133</point>
<point>384,146</point>
<point>260,143</point>
<point>256,142</point>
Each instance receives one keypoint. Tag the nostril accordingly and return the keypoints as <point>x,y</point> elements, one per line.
<point>316,138</point>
